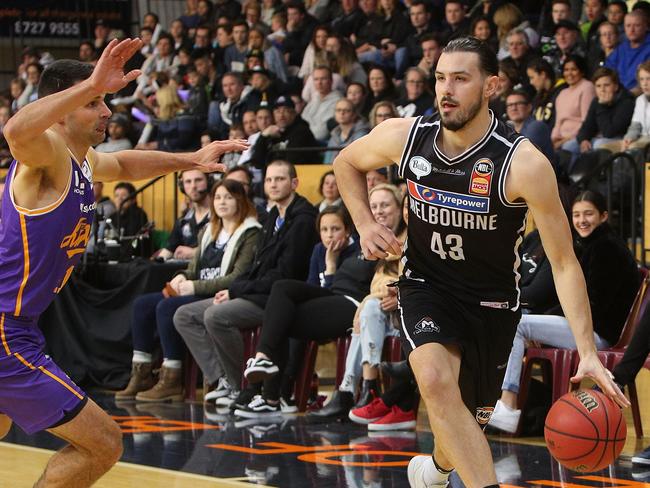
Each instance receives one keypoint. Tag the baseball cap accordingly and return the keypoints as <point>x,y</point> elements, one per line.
<point>567,24</point>
<point>284,102</point>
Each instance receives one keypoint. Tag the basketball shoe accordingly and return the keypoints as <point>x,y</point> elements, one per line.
<point>422,473</point>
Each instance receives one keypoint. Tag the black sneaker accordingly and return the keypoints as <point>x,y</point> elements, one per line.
<point>260,369</point>
<point>244,398</point>
<point>259,407</point>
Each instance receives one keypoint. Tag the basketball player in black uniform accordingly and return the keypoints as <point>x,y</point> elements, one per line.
<point>471,181</point>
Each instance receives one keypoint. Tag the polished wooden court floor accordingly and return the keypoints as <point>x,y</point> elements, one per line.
<point>189,445</point>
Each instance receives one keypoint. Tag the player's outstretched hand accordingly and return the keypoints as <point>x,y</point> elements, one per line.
<point>108,75</point>
<point>377,241</point>
<point>591,367</point>
<point>207,158</point>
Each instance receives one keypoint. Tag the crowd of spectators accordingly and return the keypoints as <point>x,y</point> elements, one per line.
<point>300,81</point>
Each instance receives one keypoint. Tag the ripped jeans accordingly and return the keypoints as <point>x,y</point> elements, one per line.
<point>367,346</point>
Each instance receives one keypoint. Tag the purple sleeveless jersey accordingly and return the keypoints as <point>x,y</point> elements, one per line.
<point>39,248</point>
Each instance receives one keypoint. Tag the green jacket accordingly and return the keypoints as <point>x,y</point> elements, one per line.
<point>237,257</point>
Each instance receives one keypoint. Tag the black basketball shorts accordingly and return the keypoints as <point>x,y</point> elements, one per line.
<point>484,336</point>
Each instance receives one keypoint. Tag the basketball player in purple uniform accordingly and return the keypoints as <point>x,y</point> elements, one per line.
<point>470,180</point>
<point>47,210</point>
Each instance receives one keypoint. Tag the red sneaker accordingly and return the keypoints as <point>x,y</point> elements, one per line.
<point>375,410</point>
<point>397,419</point>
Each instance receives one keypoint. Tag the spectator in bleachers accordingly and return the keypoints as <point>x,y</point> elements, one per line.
<point>101,31</point>
<point>197,99</point>
<point>231,9</point>
<point>567,37</point>
<point>151,21</point>
<point>519,110</point>
<point>431,50</point>
<point>507,18</point>
<point>638,133</point>
<point>29,94</point>
<point>230,109</point>
<point>609,114</point>
<point>608,40</point>
<point>289,130</point>
<point>263,118</point>
<point>273,59</point>
<point>560,10</point>
<point>616,11</point>
<point>268,9</point>
<point>203,37</point>
<point>612,278</point>
<point>387,39</point>
<point>342,58</point>
<point>520,54</point>
<point>372,321</point>
<point>249,123</point>
<point>265,90</point>
<point>357,93</point>
<point>417,99</point>
<point>328,189</point>
<point>227,246</point>
<point>380,112</point>
<point>211,328</point>
<point>349,20</point>
<point>630,53</point>
<point>456,23</point>
<point>300,29</point>
<point>542,78</point>
<point>376,177</point>
<point>571,104</point>
<point>349,127</point>
<point>235,54</point>
<point>118,126</point>
<point>315,54</point>
<point>253,15</point>
<point>321,107</point>
<point>380,86</point>
<point>278,30</point>
<point>87,52</point>
<point>421,25</point>
<point>508,80</point>
<point>16,89</point>
<point>594,12</point>
<point>191,17</point>
<point>162,60</point>
<point>146,35</point>
<point>481,28</point>
<point>178,32</point>
<point>183,239</point>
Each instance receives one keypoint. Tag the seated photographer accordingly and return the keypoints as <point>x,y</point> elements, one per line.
<point>182,242</point>
<point>227,245</point>
<point>127,221</point>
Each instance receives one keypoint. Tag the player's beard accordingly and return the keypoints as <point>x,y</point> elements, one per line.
<point>461,116</point>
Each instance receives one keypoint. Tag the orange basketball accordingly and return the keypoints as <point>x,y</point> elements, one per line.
<point>585,431</point>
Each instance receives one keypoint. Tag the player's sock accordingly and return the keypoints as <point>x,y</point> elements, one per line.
<point>172,363</point>
<point>441,470</point>
<point>142,357</point>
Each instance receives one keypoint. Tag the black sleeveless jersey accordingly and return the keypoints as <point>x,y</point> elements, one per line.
<point>463,233</point>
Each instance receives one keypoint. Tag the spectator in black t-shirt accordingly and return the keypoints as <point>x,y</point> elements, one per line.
<point>182,242</point>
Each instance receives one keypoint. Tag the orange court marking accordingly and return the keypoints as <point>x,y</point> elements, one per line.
<point>276,448</point>
<point>147,423</point>
<point>599,479</point>
<point>324,458</point>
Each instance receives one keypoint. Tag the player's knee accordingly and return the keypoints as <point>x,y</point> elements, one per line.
<point>436,386</point>
<point>111,448</point>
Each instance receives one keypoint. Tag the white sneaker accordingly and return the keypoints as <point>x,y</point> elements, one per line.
<point>223,389</point>
<point>505,418</point>
<point>422,473</point>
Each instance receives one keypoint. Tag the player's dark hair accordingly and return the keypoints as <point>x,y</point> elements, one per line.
<point>593,197</point>
<point>61,75</point>
<point>488,63</point>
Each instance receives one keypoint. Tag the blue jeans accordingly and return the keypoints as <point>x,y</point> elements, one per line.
<point>550,330</point>
<point>154,313</point>
<point>398,62</point>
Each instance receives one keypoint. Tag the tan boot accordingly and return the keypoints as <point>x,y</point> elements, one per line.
<point>169,387</point>
<point>141,379</point>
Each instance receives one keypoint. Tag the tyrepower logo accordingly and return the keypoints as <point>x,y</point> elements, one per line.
<point>448,199</point>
